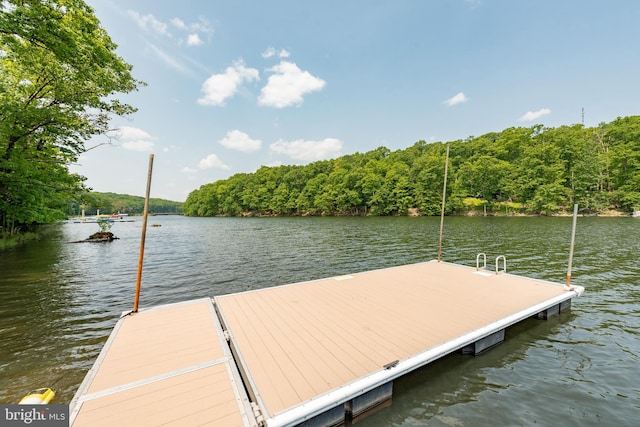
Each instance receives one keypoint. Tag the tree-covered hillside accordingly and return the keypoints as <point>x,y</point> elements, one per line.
<point>109,203</point>
<point>529,170</point>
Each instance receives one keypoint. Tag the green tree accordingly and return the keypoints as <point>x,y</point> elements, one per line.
<point>583,164</point>
<point>59,75</point>
<point>624,136</point>
<point>540,170</point>
<point>427,174</point>
<point>484,177</point>
<point>123,203</point>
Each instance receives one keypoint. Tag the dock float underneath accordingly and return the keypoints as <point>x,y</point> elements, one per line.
<point>309,353</point>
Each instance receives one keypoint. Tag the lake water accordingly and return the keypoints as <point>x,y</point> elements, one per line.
<point>60,300</point>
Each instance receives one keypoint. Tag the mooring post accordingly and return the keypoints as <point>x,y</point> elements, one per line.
<point>144,233</point>
<point>573,239</point>
<point>444,197</point>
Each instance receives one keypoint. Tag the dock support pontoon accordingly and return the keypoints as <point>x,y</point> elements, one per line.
<point>554,310</point>
<point>361,406</point>
<point>484,344</point>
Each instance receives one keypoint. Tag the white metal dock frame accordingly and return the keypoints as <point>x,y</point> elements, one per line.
<point>312,352</point>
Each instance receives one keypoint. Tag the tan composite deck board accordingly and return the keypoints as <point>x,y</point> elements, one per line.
<point>269,358</point>
<point>308,322</point>
<point>197,398</point>
<point>144,377</point>
<point>319,319</point>
<point>313,330</point>
<point>158,341</point>
<point>259,346</point>
<point>314,335</point>
<point>301,374</point>
<point>289,335</point>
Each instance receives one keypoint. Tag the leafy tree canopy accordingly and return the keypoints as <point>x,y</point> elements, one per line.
<point>59,75</point>
<point>524,170</point>
<point>112,203</point>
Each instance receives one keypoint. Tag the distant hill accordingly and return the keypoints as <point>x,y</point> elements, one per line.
<point>533,170</point>
<point>122,203</point>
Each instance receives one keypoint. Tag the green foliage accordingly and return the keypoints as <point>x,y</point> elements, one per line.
<point>473,203</point>
<point>58,76</point>
<point>532,170</point>
<point>109,203</point>
<point>104,225</point>
<point>10,241</point>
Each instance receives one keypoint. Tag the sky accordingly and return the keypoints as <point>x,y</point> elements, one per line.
<point>232,86</point>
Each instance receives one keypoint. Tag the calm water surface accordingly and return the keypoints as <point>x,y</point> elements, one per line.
<point>59,301</point>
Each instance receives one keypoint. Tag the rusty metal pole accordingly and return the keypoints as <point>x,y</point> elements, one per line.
<point>144,234</point>
<point>444,197</point>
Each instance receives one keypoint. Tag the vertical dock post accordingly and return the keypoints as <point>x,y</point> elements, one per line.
<point>444,197</point>
<point>573,240</point>
<point>144,233</point>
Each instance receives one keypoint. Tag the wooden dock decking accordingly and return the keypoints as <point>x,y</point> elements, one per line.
<point>281,356</point>
<point>165,366</point>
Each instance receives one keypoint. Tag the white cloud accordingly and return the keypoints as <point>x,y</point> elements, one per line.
<point>534,115</point>
<point>219,87</point>
<point>179,23</point>
<point>308,151</point>
<point>274,164</point>
<point>134,139</point>
<point>212,161</point>
<point>138,145</point>
<point>202,26</point>
<point>458,98</point>
<point>194,40</point>
<point>269,52</point>
<point>149,22</point>
<point>287,86</point>
<point>195,30</point>
<point>128,132</point>
<point>188,170</point>
<point>237,140</point>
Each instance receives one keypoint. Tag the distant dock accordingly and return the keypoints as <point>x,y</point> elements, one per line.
<point>102,218</point>
<point>316,352</point>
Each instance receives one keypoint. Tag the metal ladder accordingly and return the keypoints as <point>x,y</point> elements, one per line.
<point>484,262</point>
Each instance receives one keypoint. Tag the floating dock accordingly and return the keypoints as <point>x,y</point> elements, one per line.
<point>311,353</point>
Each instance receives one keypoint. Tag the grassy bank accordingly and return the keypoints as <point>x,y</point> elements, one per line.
<point>7,241</point>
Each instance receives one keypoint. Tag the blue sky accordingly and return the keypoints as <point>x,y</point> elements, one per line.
<point>234,85</point>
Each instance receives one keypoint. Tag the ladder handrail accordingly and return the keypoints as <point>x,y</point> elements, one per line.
<point>478,261</point>
<point>504,264</point>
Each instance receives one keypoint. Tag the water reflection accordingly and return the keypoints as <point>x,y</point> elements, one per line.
<point>33,315</point>
<point>59,301</point>
<point>461,380</point>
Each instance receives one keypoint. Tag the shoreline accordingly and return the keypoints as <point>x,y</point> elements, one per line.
<point>413,212</point>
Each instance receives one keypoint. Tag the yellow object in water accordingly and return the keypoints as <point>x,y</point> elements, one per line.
<point>41,396</point>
